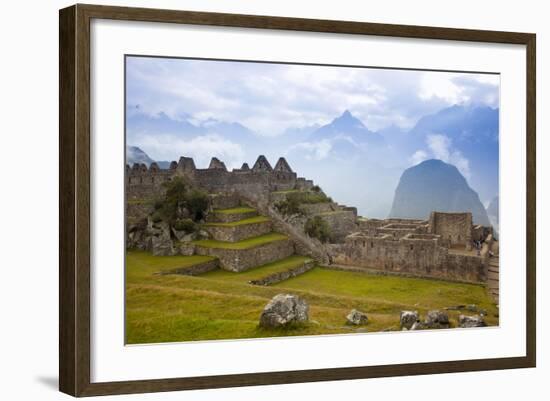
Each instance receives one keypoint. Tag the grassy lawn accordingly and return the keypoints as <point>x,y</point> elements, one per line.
<point>221,305</point>
<point>235,210</point>
<point>244,244</point>
<point>252,220</point>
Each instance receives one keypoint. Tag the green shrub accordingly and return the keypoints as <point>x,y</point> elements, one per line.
<point>293,200</point>
<point>181,200</point>
<point>318,228</point>
<point>316,188</point>
<point>156,217</point>
<point>197,204</point>
<point>186,225</point>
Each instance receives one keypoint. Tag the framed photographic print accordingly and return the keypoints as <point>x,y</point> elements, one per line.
<point>250,200</point>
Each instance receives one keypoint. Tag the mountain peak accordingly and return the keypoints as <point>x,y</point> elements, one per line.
<point>435,185</point>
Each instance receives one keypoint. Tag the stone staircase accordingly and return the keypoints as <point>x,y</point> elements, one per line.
<point>493,278</point>
<point>241,239</point>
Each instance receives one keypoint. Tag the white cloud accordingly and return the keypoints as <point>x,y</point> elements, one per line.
<point>313,150</point>
<point>269,98</point>
<point>418,157</point>
<point>200,148</point>
<point>441,148</point>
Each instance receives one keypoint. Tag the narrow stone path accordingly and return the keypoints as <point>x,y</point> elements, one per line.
<point>493,275</point>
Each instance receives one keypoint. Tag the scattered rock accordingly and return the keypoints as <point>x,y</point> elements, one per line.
<point>471,321</point>
<point>419,326</point>
<point>471,308</point>
<point>437,319</point>
<point>356,318</point>
<point>284,309</point>
<point>408,318</point>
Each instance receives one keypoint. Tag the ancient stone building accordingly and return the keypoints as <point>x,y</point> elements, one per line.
<point>143,182</point>
<point>440,247</point>
<point>446,246</point>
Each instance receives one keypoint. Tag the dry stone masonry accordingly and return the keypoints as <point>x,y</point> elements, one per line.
<point>446,246</point>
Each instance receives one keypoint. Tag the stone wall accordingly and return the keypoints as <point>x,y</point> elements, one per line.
<point>238,260</point>
<point>341,223</point>
<point>284,275</point>
<point>143,182</point>
<point>238,232</point>
<point>194,270</point>
<point>455,229</point>
<point>415,254</point>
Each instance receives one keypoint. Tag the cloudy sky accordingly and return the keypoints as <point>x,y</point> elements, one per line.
<point>269,98</point>
<point>282,101</point>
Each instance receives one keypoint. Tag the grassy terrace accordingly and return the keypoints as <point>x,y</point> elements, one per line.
<point>252,220</point>
<point>332,212</point>
<point>286,192</point>
<point>141,265</point>
<point>260,271</point>
<point>221,305</point>
<point>244,244</point>
<point>235,210</point>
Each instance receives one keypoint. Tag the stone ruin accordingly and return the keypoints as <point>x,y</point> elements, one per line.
<point>447,245</point>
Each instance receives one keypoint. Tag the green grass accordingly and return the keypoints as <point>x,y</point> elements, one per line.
<point>244,244</point>
<point>235,210</point>
<point>251,220</point>
<point>332,212</point>
<point>260,271</point>
<point>286,192</point>
<point>141,265</point>
<point>221,305</point>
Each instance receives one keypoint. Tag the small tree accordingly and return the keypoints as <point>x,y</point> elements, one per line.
<point>197,204</point>
<point>318,228</point>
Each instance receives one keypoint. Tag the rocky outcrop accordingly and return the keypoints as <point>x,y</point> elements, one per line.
<point>284,310</point>
<point>356,318</point>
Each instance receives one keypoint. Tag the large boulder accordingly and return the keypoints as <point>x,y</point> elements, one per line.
<point>162,245</point>
<point>408,319</point>
<point>283,310</point>
<point>356,318</point>
<point>437,319</point>
<point>471,321</point>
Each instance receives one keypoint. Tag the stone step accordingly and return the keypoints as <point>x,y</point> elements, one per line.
<point>239,230</point>
<point>279,276</point>
<point>204,265</point>
<point>231,215</point>
<point>246,254</point>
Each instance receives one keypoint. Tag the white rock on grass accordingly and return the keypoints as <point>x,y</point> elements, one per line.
<point>283,310</point>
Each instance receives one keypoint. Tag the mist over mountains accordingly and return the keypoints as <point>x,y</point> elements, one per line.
<point>354,164</point>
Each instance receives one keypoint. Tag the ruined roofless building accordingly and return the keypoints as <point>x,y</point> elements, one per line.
<point>143,182</point>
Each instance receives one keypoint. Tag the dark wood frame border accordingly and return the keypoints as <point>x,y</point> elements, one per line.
<point>74,199</point>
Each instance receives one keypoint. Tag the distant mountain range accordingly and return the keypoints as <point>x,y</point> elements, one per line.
<point>340,152</point>
<point>435,186</point>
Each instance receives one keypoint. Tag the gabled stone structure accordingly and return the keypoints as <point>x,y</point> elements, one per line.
<point>283,166</point>
<point>215,163</point>
<point>262,165</point>
<point>258,182</point>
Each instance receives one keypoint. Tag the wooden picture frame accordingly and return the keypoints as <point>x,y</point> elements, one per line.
<point>74,199</point>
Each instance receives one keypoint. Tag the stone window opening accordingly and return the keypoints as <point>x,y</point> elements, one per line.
<point>372,244</point>
<point>412,247</point>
